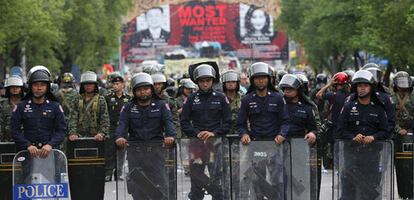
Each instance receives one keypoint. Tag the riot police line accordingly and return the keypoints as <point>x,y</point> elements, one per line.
<point>205,120</point>
<point>223,168</point>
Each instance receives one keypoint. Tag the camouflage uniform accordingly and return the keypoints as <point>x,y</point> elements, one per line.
<point>6,108</point>
<point>235,107</point>
<point>68,99</point>
<point>179,102</point>
<point>404,113</point>
<point>93,116</point>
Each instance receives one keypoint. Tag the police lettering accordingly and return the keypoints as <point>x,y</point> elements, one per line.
<point>40,191</point>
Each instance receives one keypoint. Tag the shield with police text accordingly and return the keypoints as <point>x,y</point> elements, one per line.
<point>363,171</point>
<point>304,169</point>
<point>203,169</point>
<point>149,172</point>
<point>7,153</point>
<point>86,164</point>
<point>40,178</point>
<point>260,170</point>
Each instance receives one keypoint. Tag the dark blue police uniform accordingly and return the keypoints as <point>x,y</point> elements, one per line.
<point>206,111</point>
<point>361,162</point>
<point>146,123</point>
<point>38,124</point>
<point>267,115</point>
<point>301,119</point>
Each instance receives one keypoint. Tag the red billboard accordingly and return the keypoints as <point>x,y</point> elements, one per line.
<point>246,29</point>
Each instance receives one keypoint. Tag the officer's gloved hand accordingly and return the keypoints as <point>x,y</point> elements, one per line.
<point>279,139</point>
<point>121,143</point>
<point>245,139</point>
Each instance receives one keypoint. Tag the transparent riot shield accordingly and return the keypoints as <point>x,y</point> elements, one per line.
<point>149,172</point>
<point>260,170</point>
<point>7,153</point>
<point>203,169</point>
<point>40,178</point>
<point>363,172</point>
<point>86,164</point>
<point>404,165</point>
<point>304,170</point>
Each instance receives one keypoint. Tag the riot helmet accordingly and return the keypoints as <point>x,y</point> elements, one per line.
<point>68,78</point>
<point>88,77</point>
<point>259,69</point>
<point>363,76</point>
<point>375,70</point>
<point>350,74</point>
<point>290,81</point>
<point>13,81</point>
<point>204,71</point>
<point>402,80</point>
<point>141,79</point>
<point>229,76</point>
<point>280,74</point>
<point>321,79</point>
<point>38,74</point>
<point>187,83</point>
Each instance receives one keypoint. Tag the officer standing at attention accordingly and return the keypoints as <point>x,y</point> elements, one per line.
<point>38,123</point>
<point>262,108</point>
<point>363,120</point>
<point>145,118</point>
<point>14,92</point>
<point>206,114</point>
<point>93,119</point>
<point>115,101</point>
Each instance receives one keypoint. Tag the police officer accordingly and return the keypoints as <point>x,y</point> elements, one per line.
<point>68,97</point>
<point>145,118</point>
<point>336,100</point>
<point>115,101</point>
<point>263,108</point>
<point>231,85</point>
<point>263,115</point>
<point>38,123</point>
<point>404,101</point>
<point>160,84</point>
<point>14,92</point>
<point>363,120</point>
<point>186,87</point>
<point>302,121</point>
<point>93,119</point>
<point>321,81</point>
<point>206,114</point>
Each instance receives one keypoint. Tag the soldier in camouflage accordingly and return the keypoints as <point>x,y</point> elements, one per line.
<point>186,87</point>
<point>231,86</point>
<point>115,100</point>
<point>404,101</point>
<point>93,118</point>
<point>13,94</point>
<point>68,98</point>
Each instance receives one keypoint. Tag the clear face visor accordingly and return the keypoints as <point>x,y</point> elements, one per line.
<point>230,77</point>
<point>141,79</point>
<point>403,82</point>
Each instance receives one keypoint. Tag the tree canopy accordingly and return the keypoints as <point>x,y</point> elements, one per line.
<point>333,32</point>
<point>60,33</point>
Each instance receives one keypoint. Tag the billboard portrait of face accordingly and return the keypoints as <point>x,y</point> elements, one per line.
<point>256,26</point>
<point>153,26</point>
